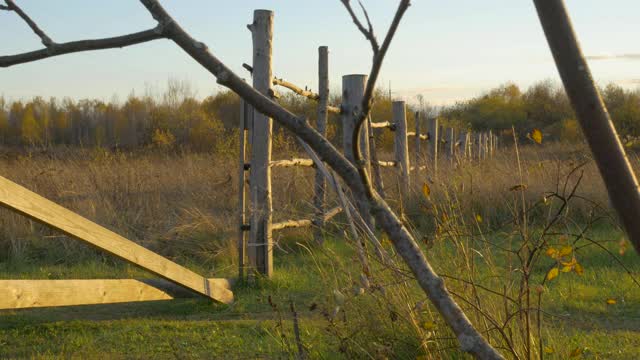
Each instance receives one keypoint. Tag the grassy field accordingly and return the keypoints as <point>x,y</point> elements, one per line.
<point>464,228</point>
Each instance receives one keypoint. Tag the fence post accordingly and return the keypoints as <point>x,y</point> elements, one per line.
<point>479,146</point>
<point>417,120</point>
<point>242,181</point>
<point>260,246</point>
<point>375,167</point>
<point>451,144</point>
<point>462,145</point>
<point>352,94</point>
<point>401,146</point>
<point>321,125</point>
<point>491,144</point>
<point>433,146</point>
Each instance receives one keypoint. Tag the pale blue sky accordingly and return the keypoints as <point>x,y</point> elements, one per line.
<point>445,49</point>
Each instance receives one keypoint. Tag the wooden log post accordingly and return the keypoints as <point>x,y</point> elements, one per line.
<point>401,145</point>
<point>485,138</point>
<point>375,165</point>
<point>433,146</point>
<point>451,145</point>
<point>242,189</point>
<point>352,93</point>
<point>319,198</point>
<point>417,139</point>
<point>260,245</point>
<point>479,146</point>
<point>462,146</point>
<point>491,144</point>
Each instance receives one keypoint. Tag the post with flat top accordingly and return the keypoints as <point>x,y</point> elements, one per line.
<point>433,146</point>
<point>352,93</point>
<point>260,245</point>
<point>401,145</point>
<point>321,125</point>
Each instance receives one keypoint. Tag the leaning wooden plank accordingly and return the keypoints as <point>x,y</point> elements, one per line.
<point>21,294</point>
<point>26,202</point>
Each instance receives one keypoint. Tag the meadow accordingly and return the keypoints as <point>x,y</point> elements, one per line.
<point>495,230</point>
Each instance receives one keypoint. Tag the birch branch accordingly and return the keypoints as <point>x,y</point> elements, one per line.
<point>11,6</point>
<point>595,121</point>
<point>83,45</point>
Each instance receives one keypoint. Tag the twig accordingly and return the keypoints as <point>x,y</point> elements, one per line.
<point>46,40</point>
<point>368,34</point>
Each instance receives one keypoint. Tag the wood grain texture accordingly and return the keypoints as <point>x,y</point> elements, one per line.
<point>36,207</point>
<point>21,294</point>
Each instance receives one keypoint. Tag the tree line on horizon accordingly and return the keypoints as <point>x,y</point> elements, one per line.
<point>178,119</point>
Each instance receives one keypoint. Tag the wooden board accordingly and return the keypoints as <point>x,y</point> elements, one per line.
<point>36,207</point>
<point>21,294</point>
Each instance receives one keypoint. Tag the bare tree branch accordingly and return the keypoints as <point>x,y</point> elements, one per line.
<point>368,33</point>
<point>367,100</point>
<point>82,45</point>
<point>592,114</point>
<point>4,7</point>
<point>46,41</point>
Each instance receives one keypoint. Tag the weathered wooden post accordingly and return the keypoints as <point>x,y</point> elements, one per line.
<point>433,146</point>
<point>321,124</point>
<point>451,144</point>
<point>417,150</point>
<point>260,246</point>
<point>491,144</point>
<point>352,94</point>
<point>462,146</point>
<point>242,187</point>
<point>401,145</point>
<point>479,145</point>
<point>485,145</point>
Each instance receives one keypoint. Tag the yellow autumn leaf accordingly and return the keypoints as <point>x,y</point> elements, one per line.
<point>611,301</point>
<point>566,269</point>
<point>552,274</point>
<point>578,269</point>
<point>552,253</point>
<point>429,325</point>
<point>565,250</point>
<point>569,263</point>
<point>426,190</point>
<point>478,218</point>
<point>576,352</point>
<point>536,135</point>
<point>548,350</point>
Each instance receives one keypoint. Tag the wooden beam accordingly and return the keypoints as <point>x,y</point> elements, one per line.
<point>381,124</point>
<point>36,207</point>
<point>291,162</point>
<point>386,163</point>
<point>296,89</point>
<point>305,222</point>
<point>21,294</point>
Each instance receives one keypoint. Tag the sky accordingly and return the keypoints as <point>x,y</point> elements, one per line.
<point>444,50</point>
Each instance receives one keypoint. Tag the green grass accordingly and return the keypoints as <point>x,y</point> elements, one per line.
<point>577,313</point>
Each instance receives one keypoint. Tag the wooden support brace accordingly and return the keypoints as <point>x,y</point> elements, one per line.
<point>36,207</point>
<point>21,294</point>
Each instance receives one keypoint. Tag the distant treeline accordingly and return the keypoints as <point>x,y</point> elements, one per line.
<point>178,119</point>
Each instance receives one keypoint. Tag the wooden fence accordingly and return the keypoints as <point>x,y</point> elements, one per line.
<point>255,237</point>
